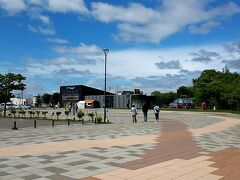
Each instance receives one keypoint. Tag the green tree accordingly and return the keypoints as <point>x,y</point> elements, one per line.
<point>56,98</point>
<point>8,83</point>
<point>217,88</point>
<point>46,98</point>
<point>156,93</point>
<point>183,90</point>
<point>164,99</point>
<point>39,100</point>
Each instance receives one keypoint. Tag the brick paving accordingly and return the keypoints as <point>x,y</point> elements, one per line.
<point>182,146</point>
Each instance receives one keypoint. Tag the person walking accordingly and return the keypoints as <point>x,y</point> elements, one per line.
<point>134,114</point>
<point>145,111</point>
<point>156,112</point>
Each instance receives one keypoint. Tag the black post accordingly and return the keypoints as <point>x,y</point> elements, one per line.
<point>53,123</point>
<point>95,121</point>
<point>14,125</point>
<point>5,105</point>
<point>82,121</point>
<point>68,122</point>
<point>35,123</point>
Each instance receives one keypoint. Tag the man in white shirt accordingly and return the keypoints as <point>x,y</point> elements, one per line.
<point>156,112</point>
<point>134,113</point>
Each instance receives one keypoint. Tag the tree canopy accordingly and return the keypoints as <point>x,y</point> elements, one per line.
<point>184,90</point>
<point>8,83</point>
<point>221,89</point>
<point>164,99</point>
<point>46,98</point>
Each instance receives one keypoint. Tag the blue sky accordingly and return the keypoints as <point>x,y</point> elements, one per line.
<point>154,44</point>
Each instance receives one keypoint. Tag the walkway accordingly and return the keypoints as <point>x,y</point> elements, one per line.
<point>181,146</point>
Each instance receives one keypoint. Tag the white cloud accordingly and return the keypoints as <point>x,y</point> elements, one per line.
<point>139,62</point>
<point>64,6</point>
<point>203,28</point>
<point>35,2</point>
<point>204,56</point>
<point>129,68</point>
<point>61,6</point>
<point>141,24</point>
<point>13,6</point>
<point>58,40</point>
<point>82,49</point>
<point>108,13</point>
<point>135,22</point>
<point>47,30</point>
<point>45,19</point>
<point>174,64</point>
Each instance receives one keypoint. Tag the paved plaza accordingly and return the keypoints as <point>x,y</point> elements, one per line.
<point>183,145</point>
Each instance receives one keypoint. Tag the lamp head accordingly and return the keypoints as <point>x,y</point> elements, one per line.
<point>105,50</point>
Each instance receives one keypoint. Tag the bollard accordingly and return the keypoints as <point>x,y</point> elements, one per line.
<point>82,121</point>
<point>14,125</point>
<point>95,121</point>
<point>53,123</point>
<point>68,122</point>
<point>35,124</point>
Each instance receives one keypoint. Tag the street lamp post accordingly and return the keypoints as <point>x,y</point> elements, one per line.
<point>105,83</point>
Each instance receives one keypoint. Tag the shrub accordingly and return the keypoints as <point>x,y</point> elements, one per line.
<point>91,115</point>
<point>13,111</point>
<point>58,113</point>
<point>67,113</point>
<point>30,113</point>
<point>38,113</point>
<point>98,119</point>
<point>44,114</point>
<point>80,114</point>
<point>22,112</point>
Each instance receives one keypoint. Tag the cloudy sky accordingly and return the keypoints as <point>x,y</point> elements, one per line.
<point>154,44</point>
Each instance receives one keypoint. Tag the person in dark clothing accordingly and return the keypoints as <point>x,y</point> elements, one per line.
<point>145,111</point>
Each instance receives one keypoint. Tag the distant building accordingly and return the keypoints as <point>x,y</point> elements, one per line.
<point>34,101</point>
<point>124,99</point>
<point>183,102</point>
<point>18,101</point>
<point>72,94</point>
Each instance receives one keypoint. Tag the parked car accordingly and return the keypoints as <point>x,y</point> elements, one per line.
<point>9,105</point>
<point>173,106</point>
<point>44,106</point>
<point>1,106</point>
<point>24,107</point>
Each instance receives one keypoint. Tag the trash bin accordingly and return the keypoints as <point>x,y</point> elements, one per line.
<point>204,106</point>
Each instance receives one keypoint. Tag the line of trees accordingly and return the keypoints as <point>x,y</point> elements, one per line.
<point>48,99</point>
<point>220,89</point>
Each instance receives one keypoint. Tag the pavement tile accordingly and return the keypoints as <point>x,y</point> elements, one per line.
<point>150,150</point>
<point>30,177</point>
<point>78,162</point>
<point>59,177</point>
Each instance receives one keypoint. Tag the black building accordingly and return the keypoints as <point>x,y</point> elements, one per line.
<point>75,93</point>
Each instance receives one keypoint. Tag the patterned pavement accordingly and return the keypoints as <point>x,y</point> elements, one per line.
<point>182,146</point>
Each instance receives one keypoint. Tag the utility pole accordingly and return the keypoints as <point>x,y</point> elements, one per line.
<point>105,82</point>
